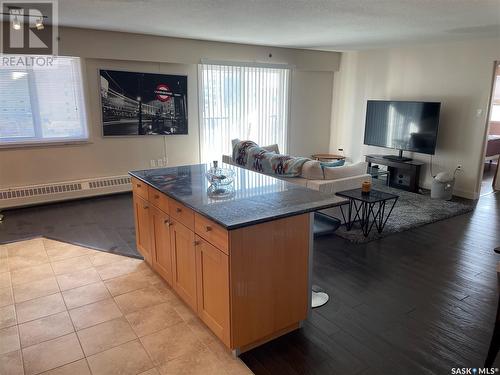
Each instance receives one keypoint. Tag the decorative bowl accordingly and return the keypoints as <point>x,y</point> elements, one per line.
<point>220,176</point>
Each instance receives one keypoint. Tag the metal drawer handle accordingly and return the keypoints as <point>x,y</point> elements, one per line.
<point>146,207</point>
<point>138,185</point>
<point>178,210</point>
<point>208,228</point>
<point>167,222</point>
<point>196,243</point>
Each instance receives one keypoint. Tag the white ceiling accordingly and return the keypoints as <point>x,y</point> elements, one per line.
<point>318,24</point>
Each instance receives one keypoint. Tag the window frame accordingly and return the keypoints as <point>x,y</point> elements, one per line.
<point>495,97</point>
<point>30,142</point>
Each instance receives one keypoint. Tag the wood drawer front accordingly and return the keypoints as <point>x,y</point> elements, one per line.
<point>139,188</point>
<point>181,213</point>
<point>158,199</point>
<point>212,232</point>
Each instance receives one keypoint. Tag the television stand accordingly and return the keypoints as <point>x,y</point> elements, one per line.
<point>396,158</point>
<point>399,157</point>
<point>403,175</point>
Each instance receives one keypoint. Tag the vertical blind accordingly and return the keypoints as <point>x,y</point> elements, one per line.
<point>43,104</point>
<point>245,102</point>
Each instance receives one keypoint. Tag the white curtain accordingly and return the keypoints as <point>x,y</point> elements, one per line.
<point>245,102</point>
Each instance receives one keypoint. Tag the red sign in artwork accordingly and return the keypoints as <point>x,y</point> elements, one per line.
<point>163,92</point>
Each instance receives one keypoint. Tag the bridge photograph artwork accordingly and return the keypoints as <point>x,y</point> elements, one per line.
<point>143,103</point>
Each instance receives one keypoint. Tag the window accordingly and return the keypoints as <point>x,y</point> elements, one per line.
<point>245,102</point>
<point>495,109</point>
<point>42,105</point>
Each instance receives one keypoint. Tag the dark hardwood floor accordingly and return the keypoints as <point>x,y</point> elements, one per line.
<point>417,302</point>
<point>105,223</point>
<point>490,169</point>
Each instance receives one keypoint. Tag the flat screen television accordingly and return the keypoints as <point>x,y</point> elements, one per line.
<point>402,125</point>
<point>143,103</point>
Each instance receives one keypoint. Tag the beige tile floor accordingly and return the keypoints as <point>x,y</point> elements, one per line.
<point>66,309</point>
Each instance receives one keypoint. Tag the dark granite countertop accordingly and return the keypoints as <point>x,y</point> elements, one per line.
<point>255,198</point>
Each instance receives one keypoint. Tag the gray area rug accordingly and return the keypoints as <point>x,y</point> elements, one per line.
<point>411,211</point>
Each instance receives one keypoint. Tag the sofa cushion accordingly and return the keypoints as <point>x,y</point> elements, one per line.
<point>240,152</point>
<point>287,166</point>
<point>257,159</point>
<point>234,142</point>
<point>336,163</point>
<point>249,155</point>
<point>334,173</point>
<point>312,170</point>
<point>270,148</point>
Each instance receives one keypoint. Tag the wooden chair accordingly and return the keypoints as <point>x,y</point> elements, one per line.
<point>495,339</point>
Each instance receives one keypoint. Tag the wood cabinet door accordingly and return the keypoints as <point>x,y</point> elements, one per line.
<point>142,230</point>
<point>183,262</point>
<point>212,274</point>
<point>161,244</point>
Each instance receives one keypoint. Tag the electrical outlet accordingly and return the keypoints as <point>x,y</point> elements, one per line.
<point>459,167</point>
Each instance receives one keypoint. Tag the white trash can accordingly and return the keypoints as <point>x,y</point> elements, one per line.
<point>442,186</point>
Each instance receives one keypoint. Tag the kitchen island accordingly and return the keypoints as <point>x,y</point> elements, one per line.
<point>242,260</point>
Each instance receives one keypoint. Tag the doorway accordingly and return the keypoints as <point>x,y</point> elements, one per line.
<point>489,182</point>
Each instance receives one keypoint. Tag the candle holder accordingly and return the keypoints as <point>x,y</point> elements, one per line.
<point>366,187</point>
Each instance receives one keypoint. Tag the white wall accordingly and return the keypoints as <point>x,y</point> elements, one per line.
<point>458,75</point>
<point>310,113</point>
<point>312,81</point>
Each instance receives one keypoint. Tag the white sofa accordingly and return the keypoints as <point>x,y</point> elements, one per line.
<point>328,180</point>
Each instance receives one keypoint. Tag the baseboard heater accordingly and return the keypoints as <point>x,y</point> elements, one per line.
<point>59,191</point>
